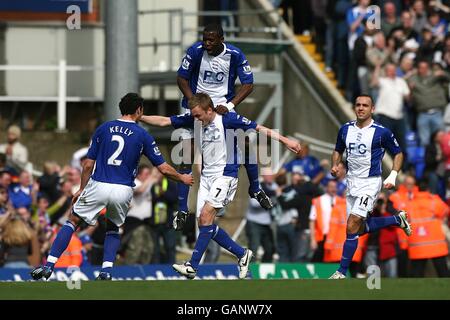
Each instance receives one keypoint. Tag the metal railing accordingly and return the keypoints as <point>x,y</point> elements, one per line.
<point>62,68</point>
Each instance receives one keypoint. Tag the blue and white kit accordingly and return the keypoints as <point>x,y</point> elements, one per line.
<point>365,148</point>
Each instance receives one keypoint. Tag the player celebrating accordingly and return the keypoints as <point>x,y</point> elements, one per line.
<point>218,182</point>
<point>212,66</point>
<point>365,141</point>
<point>115,151</point>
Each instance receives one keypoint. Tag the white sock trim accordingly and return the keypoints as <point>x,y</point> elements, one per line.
<point>107,264</point>
<point>52,259</point>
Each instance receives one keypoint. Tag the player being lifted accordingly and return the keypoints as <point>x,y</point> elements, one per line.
<point>364,141</point>
<point>219,174</point>
<point>114,152</point>
<point>212,66</point>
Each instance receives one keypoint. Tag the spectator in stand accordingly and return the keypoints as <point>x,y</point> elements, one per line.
<point>301,14</point>
<point>20,244</point>
<point>429,45</point>
<point>61,208</point>
<point>49,181</point>
<point>392,93</point>
<point>16,153</point>
<point>437,25</point>
<point>5,180</point>
<point>258,227</point>
<point>285,214</point>
<point>42,224</point>
<point>74,176</point>
<point>445,149</point>
<point>359,55</point>
<point>305,164</point>
<point>429,99</point>
<point>5,204</point>
<point>164,196</point>
<point>377,57</point>
<point>434,163</point>
<point>390,19</point>
<point>306,191</point>
<point>137,238</point>
<point>25,193</point>
<point>419,15</point>
<point>86,242</point>
<point>355,17</point>
<point>340,9</point>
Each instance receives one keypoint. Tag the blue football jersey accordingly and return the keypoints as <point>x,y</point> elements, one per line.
<point>365,148</point>
<point>215,75</point>
<point>117,147</point>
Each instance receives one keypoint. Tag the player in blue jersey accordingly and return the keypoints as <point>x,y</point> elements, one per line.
<point>365,142</point>
<point>107,181</point>
<point>212,66</point>
<point>219,176</point>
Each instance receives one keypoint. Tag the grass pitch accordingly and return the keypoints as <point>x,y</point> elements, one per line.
<point>426,288</point>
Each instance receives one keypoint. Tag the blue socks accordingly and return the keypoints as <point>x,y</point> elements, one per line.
<point>206,233</point>
<point>224,240</point>
<point>350,245</point>
<point>377,223</point>
<point>60,244</point>
<point>183,192</point>
<point>110,247</point>
<point>253,178</point>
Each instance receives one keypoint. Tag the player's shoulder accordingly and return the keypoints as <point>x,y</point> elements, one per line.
<point>348,124</point>
<point>233,50</point>
<point>196,48</point>
<point>379,127</point>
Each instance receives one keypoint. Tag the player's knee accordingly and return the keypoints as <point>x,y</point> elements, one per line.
<point>204,219</point>
<point>75,220</point>
<point>354,225</point>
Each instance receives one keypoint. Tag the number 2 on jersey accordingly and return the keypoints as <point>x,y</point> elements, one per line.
<point>113,159</point>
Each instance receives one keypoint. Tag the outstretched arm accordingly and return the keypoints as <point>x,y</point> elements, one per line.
<point>158,121</point>
<point>170,172</point>
<point>292,145</point>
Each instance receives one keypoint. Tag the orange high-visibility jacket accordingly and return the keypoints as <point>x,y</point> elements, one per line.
<point>72,256</point>
<point>334,243</point>
<point>426,212</point>
<point>400,200</point>
<point>319,219</point>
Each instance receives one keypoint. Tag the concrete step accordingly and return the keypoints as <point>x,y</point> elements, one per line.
<point>311,48</point>
<point>304,39</point>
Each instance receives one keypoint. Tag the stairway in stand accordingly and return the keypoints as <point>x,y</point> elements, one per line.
<point>306,41</point>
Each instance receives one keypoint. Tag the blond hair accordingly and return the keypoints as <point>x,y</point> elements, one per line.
<point>201,100</point>
<point>16,233</point>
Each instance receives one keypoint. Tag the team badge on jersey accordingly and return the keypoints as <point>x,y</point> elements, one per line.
<point>247,69</point>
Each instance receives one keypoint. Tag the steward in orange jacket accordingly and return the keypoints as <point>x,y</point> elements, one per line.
<point>337,234</point>
<point>427,241</point>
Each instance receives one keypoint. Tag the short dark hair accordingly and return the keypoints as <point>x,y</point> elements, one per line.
<point>424,184</point>
<point>364,95</point>
<point>214,27</point>
<point>130,103</point>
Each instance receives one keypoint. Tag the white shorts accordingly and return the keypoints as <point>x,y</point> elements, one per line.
<point>362,194</point>
<point>96,196</point>
<point>218,191</point>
